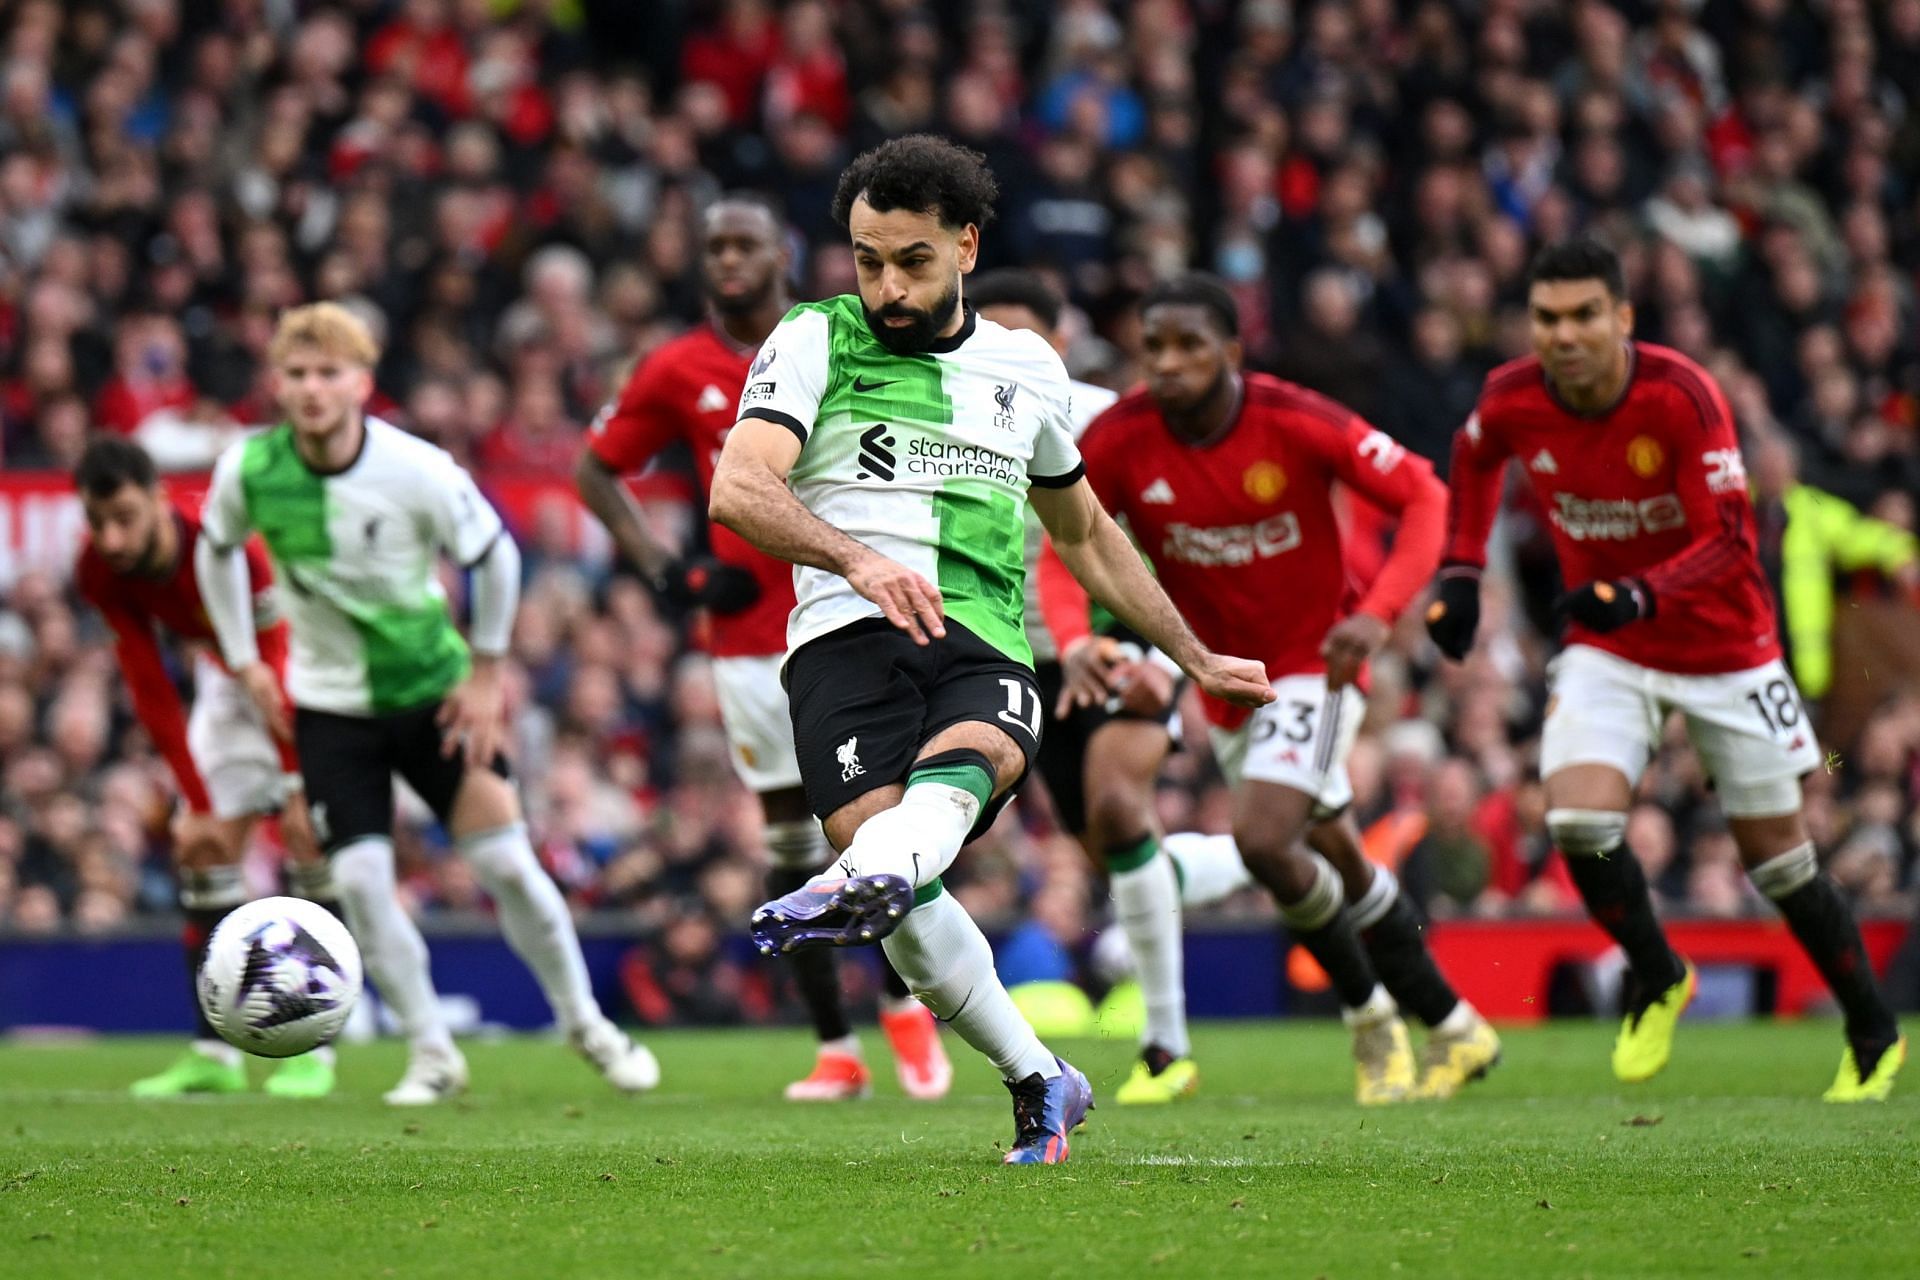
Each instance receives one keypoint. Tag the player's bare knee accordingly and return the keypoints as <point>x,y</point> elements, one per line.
<point>1587,833</point>
<point>843,823</point>
<point>1282,865</point>
<point>486,802</point>
<point>1763,837</point>
<point>1117,813</point>
<point>1008,760</point>
<point>1589,786</point>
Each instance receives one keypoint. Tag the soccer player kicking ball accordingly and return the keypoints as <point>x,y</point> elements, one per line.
<point>230,765</point>
<point>1632,451</point>
<point>355,513</point>
<point>910,431</point>
<point>689,390</point>
<point>1226,479</point>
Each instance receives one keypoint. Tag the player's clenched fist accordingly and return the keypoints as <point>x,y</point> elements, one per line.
<point>1454,615</point>
<point>709,583</point>
<point>1347,647</point>
<point>908,600</point>
<point>1089,670</point>
<point>1606,606</point>
<point>1241,681</point>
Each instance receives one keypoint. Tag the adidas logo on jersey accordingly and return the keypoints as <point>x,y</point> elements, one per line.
<point>1543,463</point>
<point>1159,493</point>
<point>714,400</point>
<point>876,454</point>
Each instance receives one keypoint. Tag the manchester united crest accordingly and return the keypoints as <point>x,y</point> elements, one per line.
<point>1264,481</point>
<point>1645,456</point>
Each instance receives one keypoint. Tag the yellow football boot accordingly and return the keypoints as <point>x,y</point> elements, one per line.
<point>1177,1078</point>
<point>1382,1061</point>
<point>1646,1037</point>
<point>1450,1060</point>
<point>1849,1087</point>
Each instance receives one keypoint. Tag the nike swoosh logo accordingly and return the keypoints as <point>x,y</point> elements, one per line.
<point>861,384</point>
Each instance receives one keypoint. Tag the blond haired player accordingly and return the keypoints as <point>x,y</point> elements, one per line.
<point>356,514</point>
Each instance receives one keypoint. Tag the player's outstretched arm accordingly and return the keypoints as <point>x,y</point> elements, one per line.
<point>751,497</point>
<point>607,497</point>
<point>1109,566</point>
<point>705,581</point>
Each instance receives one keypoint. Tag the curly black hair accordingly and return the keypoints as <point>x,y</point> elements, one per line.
<point>921,173</point>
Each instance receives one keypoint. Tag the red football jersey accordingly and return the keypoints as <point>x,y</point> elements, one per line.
<point>1242,531</point>
<point>132,605</point>
<point>1653,488</point>
<point>689,389</point>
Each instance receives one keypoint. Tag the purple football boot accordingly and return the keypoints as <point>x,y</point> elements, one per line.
<point>832,913</point>
<point>1045,1112</point>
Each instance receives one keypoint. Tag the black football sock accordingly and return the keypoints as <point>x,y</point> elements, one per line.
<point>1396,944</point>
<point>1318,920</point>
<point>1823,924</point>
<point>816,973</point>
<point>206,898</point>
<point>1614,888</point>
<point>1337,947</point>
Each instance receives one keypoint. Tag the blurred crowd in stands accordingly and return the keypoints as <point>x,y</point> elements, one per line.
<point>509,189</point>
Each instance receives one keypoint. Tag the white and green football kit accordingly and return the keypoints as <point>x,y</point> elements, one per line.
<point>358,554</point>
<point>926,458</point>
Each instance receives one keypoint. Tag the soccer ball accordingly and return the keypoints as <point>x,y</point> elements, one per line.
<point>280,977</point>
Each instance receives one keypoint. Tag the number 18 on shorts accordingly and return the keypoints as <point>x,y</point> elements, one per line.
<point>1748,726</point>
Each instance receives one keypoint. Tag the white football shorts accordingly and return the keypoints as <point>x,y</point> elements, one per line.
<point>1749,727</point>
<point>1299,740</point>
<point>753,706</point>
<point>231,745</point>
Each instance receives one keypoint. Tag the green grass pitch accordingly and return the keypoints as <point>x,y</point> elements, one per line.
<point>1726,1165</point>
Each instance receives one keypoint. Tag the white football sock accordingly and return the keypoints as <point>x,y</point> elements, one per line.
<point>916,840</point>
<point>945,960</point>
<point>1374,904</point>
<point>534,916</point>
<point>390,943</point>
<point>1209,867</point>
<point>1146,902</point>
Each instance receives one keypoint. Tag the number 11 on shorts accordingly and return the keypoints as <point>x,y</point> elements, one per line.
<point>1017,692</point>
